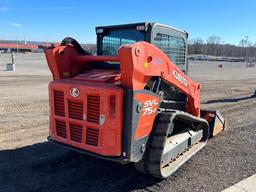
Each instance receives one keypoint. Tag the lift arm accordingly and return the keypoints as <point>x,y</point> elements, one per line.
<point>141,61</point>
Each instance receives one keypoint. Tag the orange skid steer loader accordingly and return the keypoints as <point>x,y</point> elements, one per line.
<point>133,102</point>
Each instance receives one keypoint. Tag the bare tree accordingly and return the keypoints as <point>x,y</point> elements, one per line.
<point>215,46</point>
<point>213,43</point>
<point>197,46</point>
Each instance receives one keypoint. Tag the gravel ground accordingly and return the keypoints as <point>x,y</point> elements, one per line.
<point>29,163</point>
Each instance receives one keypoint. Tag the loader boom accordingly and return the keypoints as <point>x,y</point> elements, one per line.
<point>141,61</point>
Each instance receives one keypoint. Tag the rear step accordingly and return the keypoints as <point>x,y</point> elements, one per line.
<point>164,155</point>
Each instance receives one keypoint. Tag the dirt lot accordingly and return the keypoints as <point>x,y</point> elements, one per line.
<point>29,163</point>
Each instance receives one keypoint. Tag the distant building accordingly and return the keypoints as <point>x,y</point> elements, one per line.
<point>11,47</point>
<point>7,46</point>
<point>23,46</point>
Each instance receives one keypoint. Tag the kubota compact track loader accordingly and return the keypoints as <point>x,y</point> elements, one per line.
<point>133,102</point>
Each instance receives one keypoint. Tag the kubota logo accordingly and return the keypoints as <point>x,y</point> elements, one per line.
<point>180,78</point>
<point>74,92</point>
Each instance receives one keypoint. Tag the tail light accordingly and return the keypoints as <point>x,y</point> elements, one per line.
<point>112,105</point>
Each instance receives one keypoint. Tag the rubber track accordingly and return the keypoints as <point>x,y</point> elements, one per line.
<point>151,162</point>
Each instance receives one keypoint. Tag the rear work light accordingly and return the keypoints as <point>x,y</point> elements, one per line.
<point>112,106</point>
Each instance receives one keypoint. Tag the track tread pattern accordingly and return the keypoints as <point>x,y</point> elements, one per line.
<point>151,162</point>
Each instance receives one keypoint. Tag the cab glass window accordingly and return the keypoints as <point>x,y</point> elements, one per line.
<point>173,47</point>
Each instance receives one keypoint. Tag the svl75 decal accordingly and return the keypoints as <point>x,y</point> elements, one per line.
<point>150,107</point>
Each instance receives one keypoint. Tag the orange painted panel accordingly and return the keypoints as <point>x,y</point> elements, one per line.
<point>148,110</point>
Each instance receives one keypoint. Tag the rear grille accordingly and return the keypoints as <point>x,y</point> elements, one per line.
<point>76,133</point>
<point>59,103</point>
<point>93,109</point>
<point>61,128</point>
<point>70,122</point>
<point>75,110</point>
<point>92,136</point>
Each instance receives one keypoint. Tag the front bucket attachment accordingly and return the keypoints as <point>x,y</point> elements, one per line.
<point>215,120</point>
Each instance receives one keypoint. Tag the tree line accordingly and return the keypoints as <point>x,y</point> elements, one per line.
<point>215,46</point>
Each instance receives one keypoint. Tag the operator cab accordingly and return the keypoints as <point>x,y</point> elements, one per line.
<point>171,41</point>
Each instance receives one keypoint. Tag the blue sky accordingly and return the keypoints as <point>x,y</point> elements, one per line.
<point>56,19</point>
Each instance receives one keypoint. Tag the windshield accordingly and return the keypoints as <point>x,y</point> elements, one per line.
<point>114,39</point>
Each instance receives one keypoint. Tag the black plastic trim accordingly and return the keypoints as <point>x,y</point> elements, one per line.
<point>118,159</point>
<point>132,148</point>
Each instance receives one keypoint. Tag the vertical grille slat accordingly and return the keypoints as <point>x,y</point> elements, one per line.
<point>75,110</point>
<point>92,136</point>
<point>61,129</point>
<point>59,106</point>
<point>93,108</point>
<point>76,133</point>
